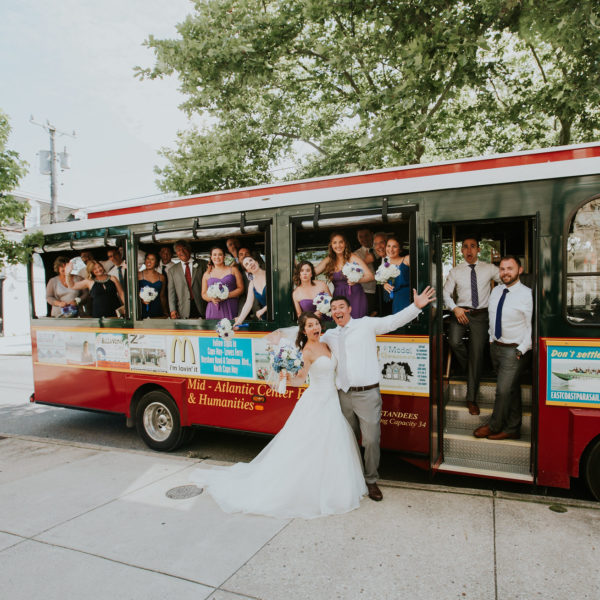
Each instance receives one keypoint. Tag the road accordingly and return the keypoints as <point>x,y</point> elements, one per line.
<point>20,417</point>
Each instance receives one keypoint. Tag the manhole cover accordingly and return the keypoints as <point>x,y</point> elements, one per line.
<point>183,492</point>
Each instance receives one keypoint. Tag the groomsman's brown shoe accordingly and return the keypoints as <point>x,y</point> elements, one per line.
<point>483,431</point>
<point>374,492</point>
<point>503,435</point>
<point>473,408</point>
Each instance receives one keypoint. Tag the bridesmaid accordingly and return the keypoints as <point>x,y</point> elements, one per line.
<point>257,289</point>
<point>401,285</point>
<point>307,288</point>
<point>150,277</point>
<point>229,277</point>
<point>338,255</point>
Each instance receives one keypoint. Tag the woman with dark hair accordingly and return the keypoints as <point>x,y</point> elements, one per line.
<point>400,287</point>
<point>150,277</point>
<point>106,291</point>
<point>338,254</point>
<point>312,467</point>
<point>59,295</point>
<point>257,289</point>
<point>307,287</point>
<point>229,277</point>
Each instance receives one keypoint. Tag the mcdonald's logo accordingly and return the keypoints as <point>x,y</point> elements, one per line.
<point>184,344</point>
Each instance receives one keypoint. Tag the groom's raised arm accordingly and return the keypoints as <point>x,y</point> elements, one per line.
<point>390,323</point>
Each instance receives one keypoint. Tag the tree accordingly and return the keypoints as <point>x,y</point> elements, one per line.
<point>12,168</point>
<point>350,85</point>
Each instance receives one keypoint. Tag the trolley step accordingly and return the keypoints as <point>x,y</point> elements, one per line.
<point>457,417</point>
<point>455,391</point>
<point>484,469</point>
<point>506,455</point>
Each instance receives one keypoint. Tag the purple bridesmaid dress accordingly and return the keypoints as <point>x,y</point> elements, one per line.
<point>307,305</point>
<point>226,309</point>
<point>355,294</point>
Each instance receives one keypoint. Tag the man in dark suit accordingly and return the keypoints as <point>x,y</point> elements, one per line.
<point>185,284</point>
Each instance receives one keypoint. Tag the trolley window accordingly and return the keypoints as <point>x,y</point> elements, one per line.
<point>583,265</point>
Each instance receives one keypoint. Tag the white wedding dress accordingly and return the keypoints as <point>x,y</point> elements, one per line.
<point>311,468</point>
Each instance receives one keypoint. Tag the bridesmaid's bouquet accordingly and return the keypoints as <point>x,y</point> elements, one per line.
<point>322,303</point>
<point>353,272</point>
<point>386,273</point>
<point>285,358</point>
<point>148,293</point>
<point>217,291</point>
<point>225,329</point>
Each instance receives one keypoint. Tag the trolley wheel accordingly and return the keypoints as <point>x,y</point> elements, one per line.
<point>592,469</point>
<point>157,421</point>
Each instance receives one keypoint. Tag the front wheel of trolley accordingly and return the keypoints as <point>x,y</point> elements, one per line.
<point>157,421</point>
<point>592,469</point>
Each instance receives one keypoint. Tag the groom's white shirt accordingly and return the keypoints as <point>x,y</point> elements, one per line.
<point>362,365</point>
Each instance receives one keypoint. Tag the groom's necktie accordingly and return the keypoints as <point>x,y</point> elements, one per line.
<point>342,366</point>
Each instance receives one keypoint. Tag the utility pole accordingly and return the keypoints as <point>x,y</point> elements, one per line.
<point>52,159</point>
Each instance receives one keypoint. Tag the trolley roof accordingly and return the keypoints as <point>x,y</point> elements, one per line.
<point>531,165</point>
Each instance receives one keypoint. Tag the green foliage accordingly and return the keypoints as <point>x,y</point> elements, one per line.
<point>349,85</point>
<point>12,168</point>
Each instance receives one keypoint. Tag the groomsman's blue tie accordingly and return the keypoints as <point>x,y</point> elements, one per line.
<point>498,327</point>
<point>474,290</point>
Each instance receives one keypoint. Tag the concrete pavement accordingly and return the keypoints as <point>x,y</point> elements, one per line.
<point>78,520</point>
<point>15,345</point>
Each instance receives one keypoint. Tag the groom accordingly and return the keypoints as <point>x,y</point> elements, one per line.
<point>353,342</point>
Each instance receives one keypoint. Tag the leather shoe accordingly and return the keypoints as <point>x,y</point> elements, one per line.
<point>483,431</point>
<point>374,492</point>
<point>503,435</point>
<point>473,408</point>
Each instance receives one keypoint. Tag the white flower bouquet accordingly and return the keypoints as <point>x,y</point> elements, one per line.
<point>322,303</point>
<point>218,291</point>
<point>285,358</point>
<point>148,293</point>
<point>386,273</point>
<point>352,272</point>
<point>225,329</point>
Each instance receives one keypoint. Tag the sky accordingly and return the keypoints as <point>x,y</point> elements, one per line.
<point>71,63</point>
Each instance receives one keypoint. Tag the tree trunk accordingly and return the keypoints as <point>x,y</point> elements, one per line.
<point>564,137</point>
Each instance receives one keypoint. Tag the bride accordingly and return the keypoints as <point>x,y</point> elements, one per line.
<point>312,467</point>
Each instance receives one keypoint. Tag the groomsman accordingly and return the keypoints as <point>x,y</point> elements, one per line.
<point>166,262</point>
<point>379,244</point>
<point>354,344</point>
<point>185,284</point>
<point>366,252</point>
<point>471,281</point>
<point>511,308</point>
<point>119,270</point>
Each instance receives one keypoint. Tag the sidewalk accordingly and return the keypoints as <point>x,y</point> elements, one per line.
<point>15,345</point>
<point>81,521</point>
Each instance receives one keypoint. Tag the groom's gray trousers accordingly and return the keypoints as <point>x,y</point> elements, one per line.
<point>363,411</point>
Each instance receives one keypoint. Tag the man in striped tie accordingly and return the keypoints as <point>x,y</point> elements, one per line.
<point>511,308</point>
<point>470,282</point>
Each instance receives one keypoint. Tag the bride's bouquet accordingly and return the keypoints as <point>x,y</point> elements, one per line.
<point>217,291</point>
<point>285,358</point>
<point>322,303</point>
<point>386,273</point>
<point>148,293</point>
<point>353,272</point>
